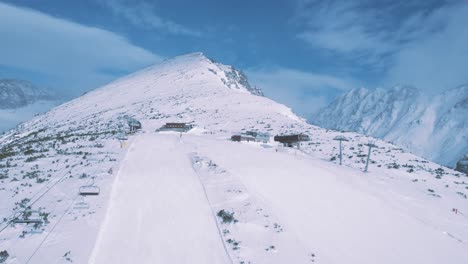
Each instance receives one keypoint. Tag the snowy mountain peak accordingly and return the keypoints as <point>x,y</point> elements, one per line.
<point>187,59</point>
<point>459,95</point>
<point>196,64</point>
<point>397,92</point>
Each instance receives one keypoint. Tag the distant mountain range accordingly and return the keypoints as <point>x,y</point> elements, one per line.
<point>19,93</point>
<point>21,100</point>
<point>433,127</point>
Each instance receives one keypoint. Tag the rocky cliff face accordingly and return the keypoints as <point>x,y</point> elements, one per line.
<point>462,165</point>
<point>19,93</point>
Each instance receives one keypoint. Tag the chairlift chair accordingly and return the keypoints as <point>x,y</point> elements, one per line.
<point>28,220</point>
<point>82,204</point>
<point>91,189</point>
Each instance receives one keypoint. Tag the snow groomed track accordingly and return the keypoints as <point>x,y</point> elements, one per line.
<point>158,212</point>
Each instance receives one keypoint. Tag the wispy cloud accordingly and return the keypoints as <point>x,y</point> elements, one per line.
<point>435,61</point>
<point>306,91</point>
<point>76,57</point>
<point>340,27</point>
<point>143,14</point>
<point>375,27</point>
<point>423,43</point>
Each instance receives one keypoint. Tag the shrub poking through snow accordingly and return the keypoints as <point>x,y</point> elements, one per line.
<point>3,256</point>
<point>67,256</point>
<point>227,217</point>
<point>234,243</point>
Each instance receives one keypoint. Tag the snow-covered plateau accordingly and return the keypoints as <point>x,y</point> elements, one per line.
<point>198,197</point>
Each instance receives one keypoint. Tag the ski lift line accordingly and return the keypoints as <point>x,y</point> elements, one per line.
<point>52,230</point>
<point>42,195</point>
<point>39,191</point>
<point>51,212</point>
<point>43,187</point>
<point>15,214</point>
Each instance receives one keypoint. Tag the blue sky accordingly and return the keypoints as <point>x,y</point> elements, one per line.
<point>302,53</point>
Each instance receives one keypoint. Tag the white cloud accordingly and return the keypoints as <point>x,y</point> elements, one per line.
<point>9,118</point>
<point>306,92</point>
<point>73,55</point>
<point>142,13</point>
<point>437,61</point>
<point>340,26</point>
<point>422,43</point>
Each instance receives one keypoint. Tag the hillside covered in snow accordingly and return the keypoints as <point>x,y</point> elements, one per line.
<point>435,128</point>
<point>198,197</point>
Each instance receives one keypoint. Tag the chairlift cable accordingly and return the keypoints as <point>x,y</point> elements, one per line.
<point>14,215</point>
<point>51,212</point>
<point>43,187</point>
<point>35,201</point>
<point>52,230</point>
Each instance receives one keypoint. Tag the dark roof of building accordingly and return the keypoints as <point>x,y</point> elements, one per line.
<point>291,138</point>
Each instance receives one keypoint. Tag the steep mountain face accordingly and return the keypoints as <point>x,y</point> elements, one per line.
<point>462,165</point>
<point>236,79</point>
<point>240,202</point>
<point>19,93</point>
<point>20,100</point>
<point>435,128</point>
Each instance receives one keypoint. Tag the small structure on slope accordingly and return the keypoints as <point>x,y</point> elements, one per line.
<point>251,136</point>
<point>242,137</point>
<point>292,140</point>
<point>133,124</point>
<point>177,127</point>
<point>259,136</point>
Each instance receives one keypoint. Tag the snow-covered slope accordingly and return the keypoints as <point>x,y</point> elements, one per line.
<point>435,128</point>
<point>20,100</point>
<point>200,198</point>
